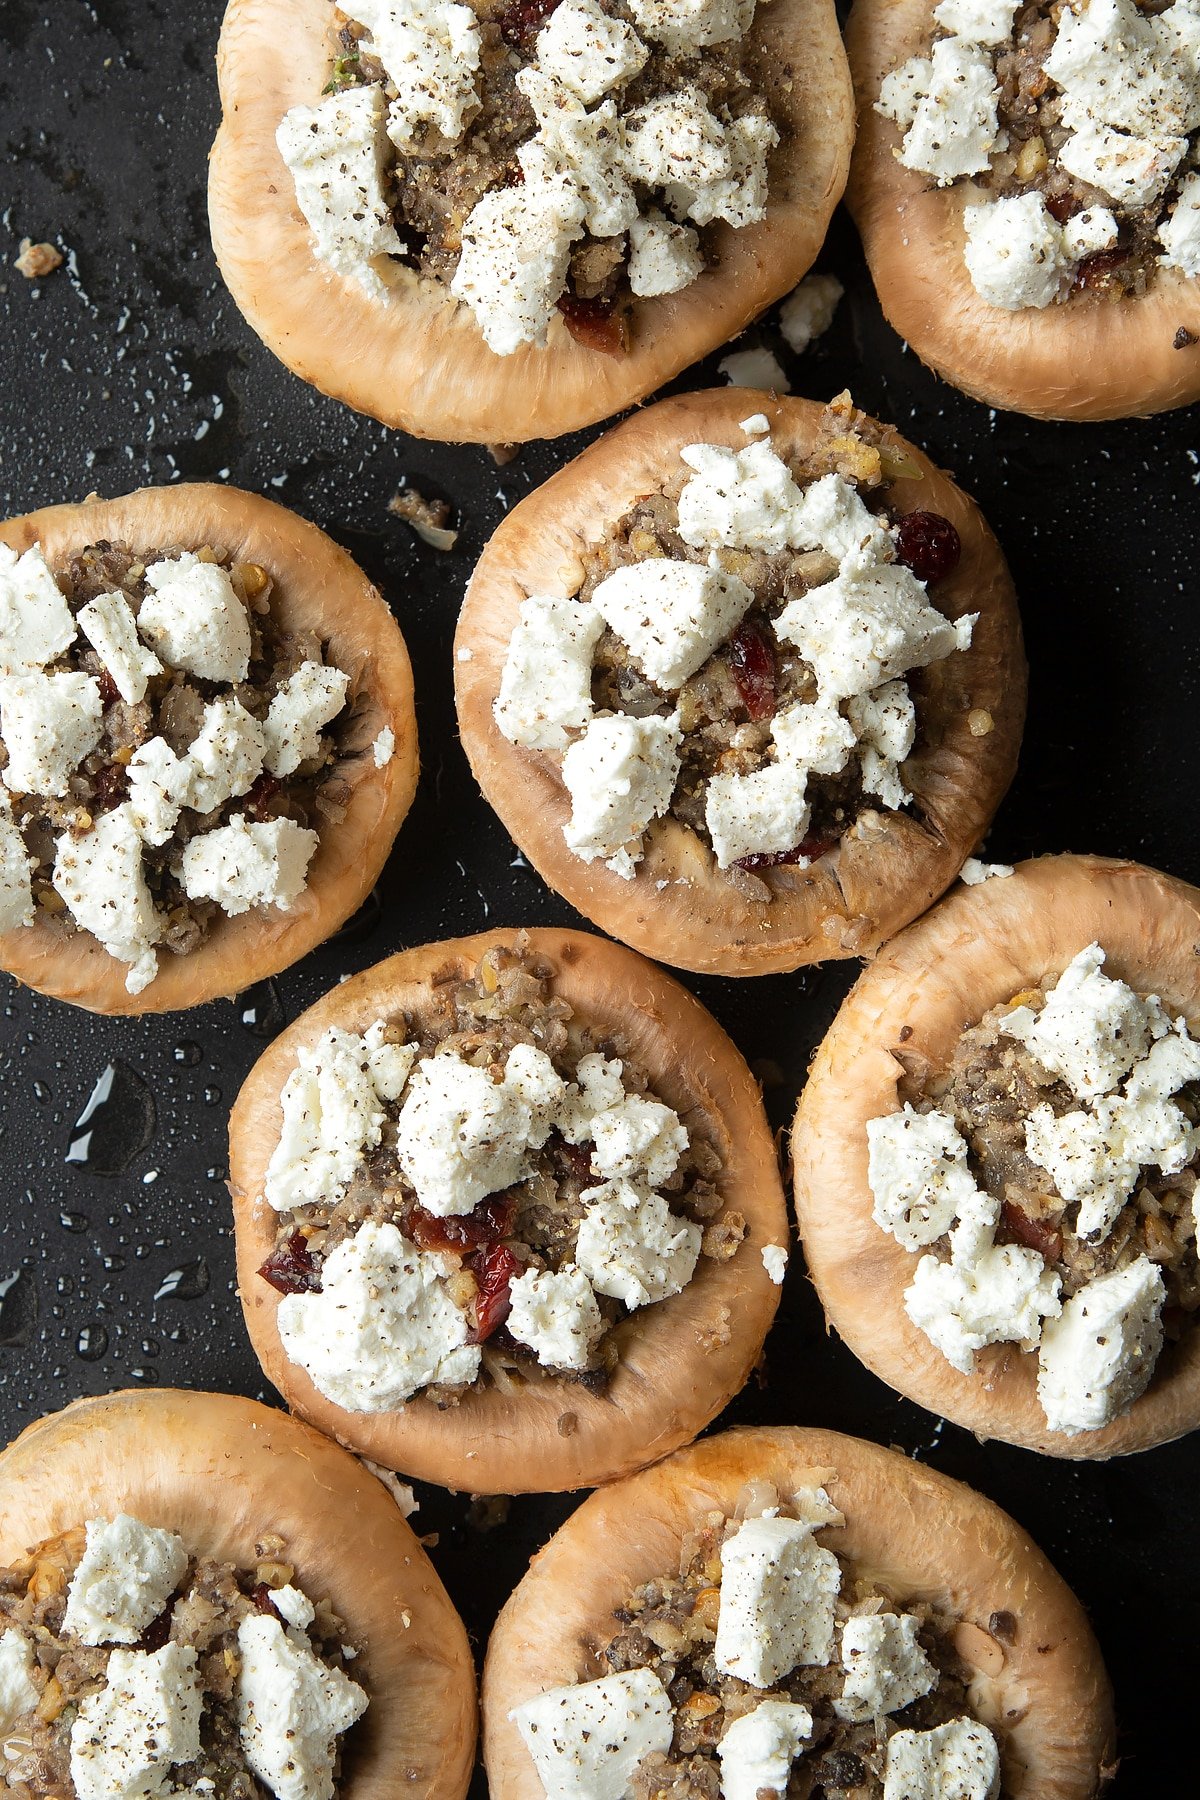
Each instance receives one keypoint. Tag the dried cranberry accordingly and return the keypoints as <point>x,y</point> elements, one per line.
<point>1035,1234</point>
<point>292,1269</point>
<point>1061,207</point>
<point>157,1632</point>
<point>109,787</point>
<point>927,544</point>
<point>261,795</point>
<point>596,324</point>
<point>1094,271</point>
<point>578,1157</point>
<point>491,1220</point>
<point>108,689</point>
<point>807,850</point>
<point>752,660</point>
<point>494,1268</point>
<point>522,18</point>
<point>261,1596</point>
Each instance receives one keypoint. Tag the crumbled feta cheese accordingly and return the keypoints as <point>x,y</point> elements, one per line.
<point>764,813</point>
<point>831,516</point>
<point>757,425</point>
<point>973,871</point>
<point>588,51</point>
<point>35,621</point>
<point>588,1739</point>
<point>1091,1030</point>
<point>585,149</point>
<point>336,152</point>
<point>861,629</point>
<point>546,682</point>
<point>954,126</point>
<point>886,1668</point>
<point>1095,1157</point>
<point>755,369</point>
<point>556,1315</point>
<point>901,92</point>
<point>1014,252</point>
<point>778,1593</point>
<point>978,21</point>
<point>1090,231</point>
<point>1125,68</point>
<point>124,1579</point>
<point>308,700</point>
<point>460,1135</point>
<point>108,625</point>
<point>384,748</point>
<point>292,1708</point>
<point>49,723</point>
<point>663,256</point>
<point>633,1247</point>
<point>383,1325</point>
<point>917,1172</point>
<point>737,499</point>
<point>620,775</point>
<point>194,620</point>
<point>143,1721</point>
<point>999,1296</point>
<point>958,1761</point>
<point>295,1607</point>
<point>241,865</point>
<point>885,724</point>
<point>1171,1062</point>
<point>431,49</point>
<point>390,1063</point>
<point>160,785</point>
<point>814,736</point>
<point>516,244</point>
<point>100,876</point>
<point>775,1261</point>
<point>226,758</point>
<point>740,197</point>
<point>670,615</point>
<point>636,1139</point>
<point>18,1692</point>
<point>684,26</point>
<point>16,866</point>
<point>676,137</point>
<point>331,1115</point>
<point>1133,171</point>
<point>1098,1356</point>
<point>808,311</point>
<point>1180,234</point>
<point>759,1748</point>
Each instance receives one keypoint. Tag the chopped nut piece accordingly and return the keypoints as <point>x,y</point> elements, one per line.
<point>37,260</point>
<point>980,723</point>
<point>427,517</point>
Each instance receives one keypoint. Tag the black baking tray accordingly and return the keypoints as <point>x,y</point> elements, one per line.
<point>131,365</point>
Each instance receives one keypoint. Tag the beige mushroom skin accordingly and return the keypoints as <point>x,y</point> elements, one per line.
<point>414,357</point>
<point>972,952</point>
<point>318,587</point>
<point>680,1361</point>
<point>914,1531</point>
<point>680,908</point>
<point>1089,357</point>
<point>224,1472</point>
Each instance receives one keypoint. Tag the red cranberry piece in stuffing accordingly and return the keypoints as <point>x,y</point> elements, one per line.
<point>1035,1234</point>
<point>491,1220</point>
<point>522,19</point>
<point>752,660</point>
<point>261,1596</point>
<point>807,850</point>
<point>928,544</point>
<point>292,1269</point>
<point>495,1268</point>
<point>596,324</point>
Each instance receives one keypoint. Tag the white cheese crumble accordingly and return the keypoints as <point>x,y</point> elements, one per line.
<point>589,52</point>
<point>683,26</point>
<point>226,758</point>
<point>775,1262</point>
<point>332,1113</point>
<point>142,1722</point>
<point>764,813</point>
<point>999,1296</point>
<point>516,244</point>
<point>808,311</point>
<point>755,369</point>
<point>737,499</point>
<point>242,865</point>
<point>759,1748</point>
<point>620,775</point>
<point>1127,69</point>
<point>546,682</point>
<point>108,625</point>
<point>952,129</point>
<point>291,1710</point>
<point>1014,252</point>
<point>1091,1030</point>
<point>194,620</point>
<point>862,629</point>
<point>663,256</point>
<point>958,1761</point>
<point>383,1325</point>
<point>309,699</point>
<point>336,153</point>
<point>632,1138</point>
<point>633,1247</point>
<point>973,871</point>
<point>671,615</point>
<point>125,1577</point>
<point>16,867</point>
<point>918,1175</point>
<point>35,621</point>
<point>1133,171</point>
<point>1098,1356</point>
<point>296,1608</point>
<point>885,724</point>
<point>556,1315</point>
<point>462,1135</point>
<point>886,1668</point>
<point>1090,231</point>
<point>739,197</point>
<point>779,1589</point>
<point>383,748</point>
<point>676,137</point>
<point>584,149</point>
<point>977,21</point>
<point>160,786</point>
<point>588,1739</point>
<point>430,49</point>
<point>18,1692</point>
<point>49,723</point>
<point>100,876</point>
<point>1094,1157</point>
<point>1180,234</point>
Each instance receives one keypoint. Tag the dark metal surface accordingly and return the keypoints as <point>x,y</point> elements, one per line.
<point>130,365</point>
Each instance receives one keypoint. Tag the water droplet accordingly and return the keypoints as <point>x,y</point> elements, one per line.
<point>364,922</point>
<point>188,1053</point>
<point>212,1096</point>
<point>73,1221</point>
<point>151,1347</point>
<point>148,1377</point>
<point>262,1010</point>
<point>65,1284</point>
<point>18,1307</point>
<point>179,1335</point>
<point>92,1342</point>
<point>114,1264</point>
<point>187,1282</point>
<point>41,1093</point>
<point>117,1123</point>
